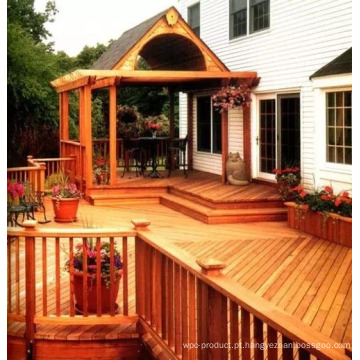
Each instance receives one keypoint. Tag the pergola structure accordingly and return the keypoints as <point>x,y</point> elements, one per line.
<point>179,60</point>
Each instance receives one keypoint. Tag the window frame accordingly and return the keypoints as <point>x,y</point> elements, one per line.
<point>212,110</point>
<point>188,17</point>
<point>249,26</point>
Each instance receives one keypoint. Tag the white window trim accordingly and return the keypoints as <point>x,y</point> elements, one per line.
<point>248,34</point>
<point>322,86</point>
<point>211,152</point>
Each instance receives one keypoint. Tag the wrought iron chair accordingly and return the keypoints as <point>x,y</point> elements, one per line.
<point>134,156</point>
<point>176,156</point>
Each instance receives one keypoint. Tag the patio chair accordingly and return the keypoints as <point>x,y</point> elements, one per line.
<point>134,156</point>
<point>34,201</point>
<point>176,156</point>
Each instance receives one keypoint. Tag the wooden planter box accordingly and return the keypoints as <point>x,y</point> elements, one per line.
<point>327,226</point>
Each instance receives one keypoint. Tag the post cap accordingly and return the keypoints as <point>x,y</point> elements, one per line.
<point>29,224</point>
<point>210,266</point>
<point>140,224</point>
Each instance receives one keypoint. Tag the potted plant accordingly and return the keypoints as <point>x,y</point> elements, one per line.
<point>154,127</point>
<point>287,179</point>
<point>90,249</point>
<point>232,96</point>
<point>101,171</point>
<point>65,198</point>
<point>322,213</point>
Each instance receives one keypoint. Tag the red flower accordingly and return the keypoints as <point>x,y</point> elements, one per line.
<point>329,189</point>
<point>305,207</point>
<point>303,194</point>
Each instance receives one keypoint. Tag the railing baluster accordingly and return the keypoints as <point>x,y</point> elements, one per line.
<point>9,272</point>
<point>158,292</point>
<point>234,330</point>
<point>245,334</point>
<point>85,277</point>
<point>112,274</point>
<point>125,275</point>
<point>148,281</point>
<point>140,276</point>
<point>258,339</point>
<point>165,298</point>
<point>71,269</point>
<point>17,274</point>
<point>192,316</point>
<point>287,348</point>
<point>44,275</point>
<point>177,308</point>
<point>272,339</point>
<point>154,294</point>
<point>184,313</point>
<point>202,314</point>
<point>170,304</point>
<point>99,279</point>
<point>57,275</point>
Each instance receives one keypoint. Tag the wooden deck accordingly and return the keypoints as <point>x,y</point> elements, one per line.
<point>201,196</point>
<point>307,277</point>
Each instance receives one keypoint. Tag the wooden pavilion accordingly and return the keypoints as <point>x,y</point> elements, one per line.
<point>180,61</point>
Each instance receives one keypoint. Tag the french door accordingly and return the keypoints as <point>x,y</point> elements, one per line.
<point>278,138</point>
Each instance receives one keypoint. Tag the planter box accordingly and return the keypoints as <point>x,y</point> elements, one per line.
<point>328,226</point>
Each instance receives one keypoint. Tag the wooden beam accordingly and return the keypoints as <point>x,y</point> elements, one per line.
<point>73,84</point>
<point>103,83</point>
<point>224,143</point>
<point>171,113</point>
<point>112,133</point>
<point>247,140</point>
<point>190,125</point>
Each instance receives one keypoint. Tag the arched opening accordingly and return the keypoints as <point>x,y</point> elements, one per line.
<point>172,52</point>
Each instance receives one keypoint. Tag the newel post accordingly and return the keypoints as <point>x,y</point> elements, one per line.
<point>212,313</point>
<point>41,178</point>
<point>30,226</point>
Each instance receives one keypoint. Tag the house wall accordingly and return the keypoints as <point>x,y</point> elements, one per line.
<point>303,36</point>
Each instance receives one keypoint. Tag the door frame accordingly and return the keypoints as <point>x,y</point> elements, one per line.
<point>256,173</point>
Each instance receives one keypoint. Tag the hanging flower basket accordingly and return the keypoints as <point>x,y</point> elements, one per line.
<point>232,96</point>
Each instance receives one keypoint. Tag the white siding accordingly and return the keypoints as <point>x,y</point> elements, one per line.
<point>304,35</point>
<point>236,139</point>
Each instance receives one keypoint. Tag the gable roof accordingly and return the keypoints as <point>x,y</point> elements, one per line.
<point>165,41</point>
<point>125,42</point>
<point>340,65</point>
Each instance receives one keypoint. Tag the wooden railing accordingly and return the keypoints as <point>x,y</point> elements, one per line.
<point>73,149</point>
<point>186,306</point>
<point>195,312</point>
<point>49,292</point>
<point>101,147</point>
<point>34,174</point>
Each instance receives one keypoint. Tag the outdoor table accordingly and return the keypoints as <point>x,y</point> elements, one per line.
<point>150,143</point>
<point>13,214</point>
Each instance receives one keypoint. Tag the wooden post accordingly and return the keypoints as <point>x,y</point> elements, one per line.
<point>210,266</point>
<point>86,131</point>
<point>64,118</point>
<point>30,289</point>
<point>41,178</point>
<point>171,113</point>
<point>112,133</point>
<point>224,143</point>
<point>247,140</point>
<point>190,116</point>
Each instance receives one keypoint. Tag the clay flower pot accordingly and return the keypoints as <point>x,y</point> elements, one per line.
<point>65,209</point>
<point>106,302</point>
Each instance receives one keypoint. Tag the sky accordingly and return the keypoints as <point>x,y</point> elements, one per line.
<point>88,22</point>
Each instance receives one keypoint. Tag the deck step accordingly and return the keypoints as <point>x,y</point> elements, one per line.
<point>121,199</point>
<point>221,216</point>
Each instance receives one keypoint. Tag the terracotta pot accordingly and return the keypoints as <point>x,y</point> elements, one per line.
<point>65,209</point>
<point>106,302</point>
<point>326,226</point>
<point>102,178</point>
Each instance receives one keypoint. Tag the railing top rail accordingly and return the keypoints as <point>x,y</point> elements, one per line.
<point>23,168</point>
<point>287,325</point>
<point>61,233</point>
<point>75,143</point>
<point>53,159</point>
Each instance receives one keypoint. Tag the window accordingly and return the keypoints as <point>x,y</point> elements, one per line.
<point>339,127</point>
<point>256,13</point>
<point>208,126</point>
<point>238,15</point>
<point>194,18</point>
<point>259,15</point>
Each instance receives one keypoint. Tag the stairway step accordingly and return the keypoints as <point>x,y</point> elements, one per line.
<point>221,216</point>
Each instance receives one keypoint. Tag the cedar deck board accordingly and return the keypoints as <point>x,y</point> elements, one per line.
<point>234,244</point>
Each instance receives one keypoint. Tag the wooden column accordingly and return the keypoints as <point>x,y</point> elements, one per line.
<point>63,118</point>
<point>247,140</point>
<point>171,113</point>
<point>86,131</point>
<point>190,126</point>
<point>224,143</point>
<point>112,133</point>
